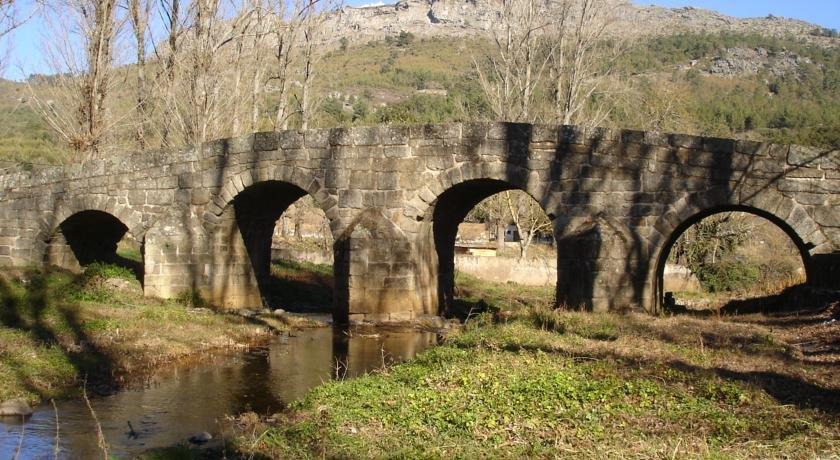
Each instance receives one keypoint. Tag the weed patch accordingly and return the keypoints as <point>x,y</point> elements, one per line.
<point>547,382</point>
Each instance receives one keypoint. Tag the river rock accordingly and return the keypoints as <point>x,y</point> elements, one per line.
<point>279,312</point>
<point>201,438</point>
<point>15,407</point>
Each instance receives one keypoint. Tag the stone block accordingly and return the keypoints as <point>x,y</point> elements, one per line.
<point>373,199</point>
<point>387,181</point>
<point>265,141</point>
<point>340,137</point>
<point>826,186</point>
<point>439,131</point>
<point>805,173</point>
<point>200,197</point>
<point>396,151</point>
<point>363,180</point>
<point>800,155</point>
<point>317,138</point>
<point>366,135</point>
<point>337,178</point>
<point>394,135</point>
<point>816,199</point>
<point>349,198</point>
<point>794,185</point>
<point>290,139</point>
<point>718,145</point>
<point>136,197</point>
<point>473,133</point>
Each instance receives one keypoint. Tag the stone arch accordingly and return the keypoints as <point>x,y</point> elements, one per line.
<point>443,204</point>
<point>50,227</point>
<point>294,176</point>
<point>89,236</point>
<point>422,204</point>
<point>132,219</point>
<point>783,212</point>
<point>240,223</point>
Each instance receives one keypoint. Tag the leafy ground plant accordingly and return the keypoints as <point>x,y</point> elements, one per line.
<point>548,383</point>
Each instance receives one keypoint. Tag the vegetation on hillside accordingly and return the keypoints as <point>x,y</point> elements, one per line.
<point>430,81</point>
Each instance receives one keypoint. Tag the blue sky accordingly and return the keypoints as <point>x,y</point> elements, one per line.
<point>26,56</point>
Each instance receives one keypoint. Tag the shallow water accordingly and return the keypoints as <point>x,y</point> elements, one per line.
<point>182,401</point>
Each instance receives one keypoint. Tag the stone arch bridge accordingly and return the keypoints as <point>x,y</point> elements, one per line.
<point>394,197</point>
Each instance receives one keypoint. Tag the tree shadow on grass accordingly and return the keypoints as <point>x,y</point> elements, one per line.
<point>39,313</point>
<point>786,389</point>
<point>794,301</point>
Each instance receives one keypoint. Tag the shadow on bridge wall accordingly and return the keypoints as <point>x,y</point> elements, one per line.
<point>241,253</point>
<point>732,188</point>
<point>619,200</point>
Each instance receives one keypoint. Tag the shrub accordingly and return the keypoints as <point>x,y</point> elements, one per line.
<point>105,271</point>
<point>728,275</point>
<point>191,298</point>
<point>404,38</point>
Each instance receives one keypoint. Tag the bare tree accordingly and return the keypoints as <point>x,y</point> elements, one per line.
<point>284,33</point>
<point>201,97</point>
<point>313,15</point>
<point>512,207</point>
<point>581,60</point>
<point>528,217</point>
<point>260,33</point>
<point>510,75</point>
<point>139,12</point>
<point>171,19</point>
<point>246,58</point>
<point>75,102</point>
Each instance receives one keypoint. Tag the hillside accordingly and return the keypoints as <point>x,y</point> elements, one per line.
<point>476,18</point>
<point>688,70</point>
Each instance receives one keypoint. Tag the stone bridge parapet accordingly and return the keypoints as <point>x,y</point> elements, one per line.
<point>394,197</point>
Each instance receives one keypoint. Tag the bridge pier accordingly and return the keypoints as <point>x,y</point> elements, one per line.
<point>394,196</point>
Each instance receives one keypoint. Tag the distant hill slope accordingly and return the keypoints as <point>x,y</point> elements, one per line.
<point>476,18</point>
<point>689,70</point>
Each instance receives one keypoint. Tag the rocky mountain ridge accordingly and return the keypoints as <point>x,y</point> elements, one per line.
<point>476,18</point>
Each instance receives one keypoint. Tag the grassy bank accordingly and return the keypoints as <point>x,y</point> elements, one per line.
<point>58,329</point>
<point>545,383</point>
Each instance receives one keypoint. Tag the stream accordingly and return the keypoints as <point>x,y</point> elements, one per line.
<point>181,401</point>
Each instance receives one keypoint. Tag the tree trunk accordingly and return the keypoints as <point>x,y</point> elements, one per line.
<point>173,20</point>
<point>298,223</point>
<point>139,20</point>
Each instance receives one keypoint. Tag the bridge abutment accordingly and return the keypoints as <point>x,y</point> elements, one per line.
<point>395,195</point>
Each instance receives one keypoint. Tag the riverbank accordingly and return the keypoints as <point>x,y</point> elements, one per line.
<point>524,380</point>
<point>60,331</point>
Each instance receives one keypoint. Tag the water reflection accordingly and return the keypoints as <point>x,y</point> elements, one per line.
<point>183,401</point>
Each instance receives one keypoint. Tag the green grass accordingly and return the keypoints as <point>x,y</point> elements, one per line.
<point>548,383</point>
<point>58,329</point>
<point>300,286</point>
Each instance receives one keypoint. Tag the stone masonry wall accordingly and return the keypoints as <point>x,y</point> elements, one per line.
<point>618,199</point>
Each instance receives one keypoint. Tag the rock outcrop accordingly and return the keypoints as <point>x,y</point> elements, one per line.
<point>475,18</point>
